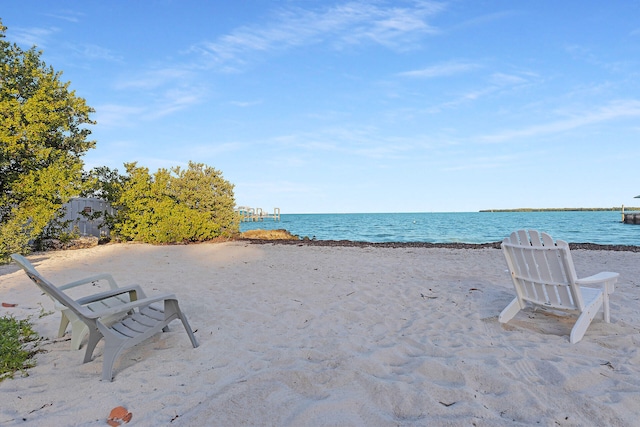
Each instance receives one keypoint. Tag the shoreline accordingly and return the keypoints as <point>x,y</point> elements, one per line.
<point>494,245</point>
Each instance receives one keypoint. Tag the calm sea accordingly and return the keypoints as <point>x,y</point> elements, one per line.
<point>601,227</point>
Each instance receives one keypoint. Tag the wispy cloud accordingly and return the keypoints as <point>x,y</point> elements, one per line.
<point>245,104</point>
<point>173,100</point>
<point>153,79</point>
<point>276,187</point>
<point>95,52</point>
<point>32,36</point>
<point>484,20</point>
<point>345,142</point>
<point>163,91</point>
<point>38,36</point>
<point>463,99</point>
<point>442,70</point>
<point>594,57</point>
<point>211,150</point>
<point>111,115</point>
<point>612,111</point>
<point>348,24</point>
<point>155,107</point>
<point>496,83</point>
<point>68,15</point>
<point>502,79</point>
<point>469,163</point>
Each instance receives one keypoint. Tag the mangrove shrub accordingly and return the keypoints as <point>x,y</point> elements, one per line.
<point>175,205</point>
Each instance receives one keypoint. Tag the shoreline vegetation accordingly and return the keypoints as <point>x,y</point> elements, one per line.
<point>613,209</point>
<point>284,237</point>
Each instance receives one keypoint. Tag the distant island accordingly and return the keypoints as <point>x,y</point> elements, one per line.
<point>614,209</point>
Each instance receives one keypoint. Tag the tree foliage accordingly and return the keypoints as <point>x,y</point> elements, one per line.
<point>175,205</point>
<point>43,136</point>
<point>103,183</point>
<point>42,139</point>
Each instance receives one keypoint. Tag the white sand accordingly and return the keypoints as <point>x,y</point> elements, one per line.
<point>322,336</point>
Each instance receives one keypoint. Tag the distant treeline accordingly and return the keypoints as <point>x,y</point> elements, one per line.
<point>614,209</point>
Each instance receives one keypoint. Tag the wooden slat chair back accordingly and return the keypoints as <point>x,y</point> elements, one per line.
<point>544,275</point>
<point>140,319</point>
<point>542,270</point>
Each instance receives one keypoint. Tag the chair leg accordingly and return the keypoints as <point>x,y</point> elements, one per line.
<point>78,331</point>
<point>111,353</point>
<point>187,327</point>
<point>606,316</point>
<point>583,322</point>
<point>94,337</point>
<point>64,322</point>
<point>511,310</point>
<point>172,308</point>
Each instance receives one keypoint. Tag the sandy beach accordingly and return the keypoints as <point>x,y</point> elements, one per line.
<point>299,335</point>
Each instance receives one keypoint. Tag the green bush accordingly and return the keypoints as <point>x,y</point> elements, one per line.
<point>17,346</point>
<point>175,206</point>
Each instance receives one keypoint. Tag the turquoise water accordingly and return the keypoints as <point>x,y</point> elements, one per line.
<point>601,227</point>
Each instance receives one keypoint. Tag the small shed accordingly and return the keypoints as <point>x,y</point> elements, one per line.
<point>86,215</point>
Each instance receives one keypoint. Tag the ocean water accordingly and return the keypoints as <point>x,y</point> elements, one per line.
<point>601,227</point>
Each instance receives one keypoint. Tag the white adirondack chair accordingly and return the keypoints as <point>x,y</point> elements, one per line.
<point>543,275</point>
<point>78,328</point>
<point>140,318</point>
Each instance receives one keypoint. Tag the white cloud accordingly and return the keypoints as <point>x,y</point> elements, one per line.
<point>346,142</point>
<point>95,52</point>
<point>442,70</point>
<point>31,36</point>
<point>67,15</point>
<point>112,115</point>
<point>245,104</point>
<point>502,79</point>
<point>485,20</point>
<point>348,24</point>
<point>174,100</point>
<point>153,79</point>
<point>481,163</point>
<point>615,110</point>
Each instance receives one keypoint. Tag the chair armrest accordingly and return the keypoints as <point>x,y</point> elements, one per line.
<point>124,308</point>
<point>606,278</point>
<point>135,292</point>
<point>103,276</point>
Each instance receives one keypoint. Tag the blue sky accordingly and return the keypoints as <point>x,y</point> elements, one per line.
<point>360,106</point>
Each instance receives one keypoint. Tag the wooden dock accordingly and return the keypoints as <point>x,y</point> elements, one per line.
<point>631,217</point>
<point>248,214</point>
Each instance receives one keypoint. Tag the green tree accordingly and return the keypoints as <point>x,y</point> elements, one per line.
<point>175,206</point>
<point>42,139</point>
<point>103,183</point>
<point>209,197</point>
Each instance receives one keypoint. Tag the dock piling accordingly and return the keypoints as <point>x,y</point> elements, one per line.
<point>248,214</point>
